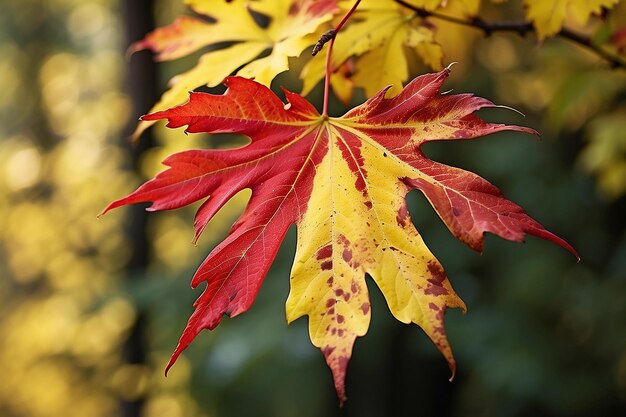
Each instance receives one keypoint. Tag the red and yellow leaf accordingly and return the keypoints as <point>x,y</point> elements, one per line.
<point>343,182</point>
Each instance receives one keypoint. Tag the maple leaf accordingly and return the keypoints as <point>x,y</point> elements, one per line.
<point>378,34</point>
<point>292,28</point>
<point>343,182</point>
<point>548,15</point>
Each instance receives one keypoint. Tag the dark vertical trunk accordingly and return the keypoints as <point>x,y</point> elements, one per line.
<point>141,85</point>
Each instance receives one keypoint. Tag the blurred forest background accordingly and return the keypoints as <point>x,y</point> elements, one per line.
<point>91,309</point>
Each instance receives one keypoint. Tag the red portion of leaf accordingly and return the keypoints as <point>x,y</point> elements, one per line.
<point>471,206</point>
<point>235,269</point>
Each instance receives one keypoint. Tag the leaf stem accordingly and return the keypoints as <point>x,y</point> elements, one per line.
<point>330,37</point>
<point>522,29</point>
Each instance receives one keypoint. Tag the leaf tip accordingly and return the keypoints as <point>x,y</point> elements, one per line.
<point>452,366</point>
<point>450,65</point>
<point>108,208</point>
<point>135,47</point>
<point>573,251</point>
<point>182,345</point>
<point>169,365</point>
<point>502,106</point>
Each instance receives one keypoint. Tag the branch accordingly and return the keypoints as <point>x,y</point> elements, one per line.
<point>522,29</point>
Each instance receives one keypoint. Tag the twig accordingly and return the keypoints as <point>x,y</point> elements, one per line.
<point>522,29</point>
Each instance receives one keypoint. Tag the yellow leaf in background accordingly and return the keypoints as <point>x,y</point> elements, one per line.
<point>469,7</point>
<point>548,15</point>
<point>605,153</point>
<point>342,81</point>
<point>292,28</point>
<point>428,4</point>
<point>378,34</point>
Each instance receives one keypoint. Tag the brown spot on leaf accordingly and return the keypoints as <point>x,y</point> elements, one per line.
<point>436,271</point>
<point>368,204</point>
<point>433,306</point>
<point>340,318</point>
<point>346,296</point>
<point>338,292</point>
<point>354,288</point>
<point>340,332</point>
<point>435,288</point>
<point>330,302</point>
<point>326,265</point>
<point>439,317</point>
<point>330,281</point>
<point>347,255</point>
<point>403,215</point>
<point>324,252</point>
<point>365,308</point>
<point>331,311</point>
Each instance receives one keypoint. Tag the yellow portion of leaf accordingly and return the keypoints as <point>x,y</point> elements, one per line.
<point>467,7</point>
<point>233,21</point>
<point>548,15</point>
<point>378,33</point>
<point>331,289</point>
<point>347,232</point>
<point>582,9</point>
<point>342,82</point>
<point>384,65</point>
<point>291,29</point>
<point>428,4</point>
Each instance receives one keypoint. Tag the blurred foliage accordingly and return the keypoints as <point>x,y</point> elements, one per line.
<point>543,336</point>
